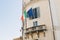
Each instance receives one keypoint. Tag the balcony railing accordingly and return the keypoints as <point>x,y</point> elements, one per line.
<point>39,28</point>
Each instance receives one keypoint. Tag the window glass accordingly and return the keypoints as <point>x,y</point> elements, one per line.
<point>35,23</point>
<point>33,13</point>
<point>36,13</point>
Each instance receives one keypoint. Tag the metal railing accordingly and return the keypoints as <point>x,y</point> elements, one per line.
<point>35,28</point>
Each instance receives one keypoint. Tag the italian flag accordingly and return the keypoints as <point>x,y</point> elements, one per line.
<point>24,15</point>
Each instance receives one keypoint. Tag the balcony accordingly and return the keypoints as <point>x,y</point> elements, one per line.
<point>39,28</point>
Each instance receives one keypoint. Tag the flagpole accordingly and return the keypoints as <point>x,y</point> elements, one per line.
<point>22,21</point>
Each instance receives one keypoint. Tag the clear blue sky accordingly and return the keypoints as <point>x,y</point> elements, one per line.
<point>10,11</point>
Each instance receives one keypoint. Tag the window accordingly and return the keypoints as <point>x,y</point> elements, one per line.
<point>36,13</point>
<point>35,23</point>
<point>33,13</point>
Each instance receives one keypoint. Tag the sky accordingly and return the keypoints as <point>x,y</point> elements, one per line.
<point>10,23</point>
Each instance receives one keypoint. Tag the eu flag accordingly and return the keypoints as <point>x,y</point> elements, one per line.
<point>30,12</point>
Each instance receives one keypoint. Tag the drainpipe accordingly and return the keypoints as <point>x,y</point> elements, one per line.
<point>52,19</point>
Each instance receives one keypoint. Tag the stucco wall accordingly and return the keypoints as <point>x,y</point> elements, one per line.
<point>45,18</point>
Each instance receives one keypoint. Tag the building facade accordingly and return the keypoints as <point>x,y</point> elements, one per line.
<point>20,38</point>
<point>39,25</point>
<point>56,17</point>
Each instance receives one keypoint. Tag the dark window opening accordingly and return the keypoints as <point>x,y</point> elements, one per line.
<point>35,23</point>
<point>33,13</point>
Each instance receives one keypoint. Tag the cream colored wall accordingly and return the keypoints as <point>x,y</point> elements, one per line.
<point>56,22</point>
<point>55,8</point>
<point>57,3</point>
<point>44,18</point>
<point>26,1</point>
